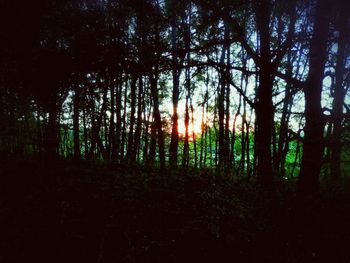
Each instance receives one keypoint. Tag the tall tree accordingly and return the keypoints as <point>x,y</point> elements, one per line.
<point>176,80</point>
<point>313,145</point>
<point>339,89</point>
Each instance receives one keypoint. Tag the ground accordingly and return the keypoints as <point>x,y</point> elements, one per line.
<point>82,212</point>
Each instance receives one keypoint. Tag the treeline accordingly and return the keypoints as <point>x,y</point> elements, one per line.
<point>92,79</point>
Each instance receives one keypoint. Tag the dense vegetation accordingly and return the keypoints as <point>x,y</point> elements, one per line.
<point>258,88</point>
<point>233,115</point>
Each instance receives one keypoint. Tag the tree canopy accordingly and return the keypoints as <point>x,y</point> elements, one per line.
<point>252,88</point>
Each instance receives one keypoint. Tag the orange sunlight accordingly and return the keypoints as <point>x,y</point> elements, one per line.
<point>197,128</point>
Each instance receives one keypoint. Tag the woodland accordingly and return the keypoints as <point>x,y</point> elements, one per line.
<point>175,131</point>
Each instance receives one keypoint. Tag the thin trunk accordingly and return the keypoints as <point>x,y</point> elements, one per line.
<point>233,140</point>
<point>137,138</point>
<point>221,110</point>
<point>51,142</point>
<point>249,172</point>
<point>155,97</point>
<point>112,134</point>
<point>210,147</point>
<point>96,128</point>
<point>228,160</point>
<point>85,130</point>
<point>175,96</point>
<point>157,119</point>
<point>76,129</point>
<point>117,148</point>
<point>148,121</point>
<point>339,97</point>
<point>279,157</point>
<point>207,130</point>
<point>216,138</point>
<point>39,133</point>
<point>185,155</point>
<point>122,145</point>
<point>193,136</point>
<point>203,130</point>
<point>153,142</point>
<point>130,150</point>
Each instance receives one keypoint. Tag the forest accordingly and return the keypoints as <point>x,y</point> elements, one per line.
<point>175,131</point>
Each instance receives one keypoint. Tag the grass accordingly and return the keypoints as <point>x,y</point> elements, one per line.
<point>83,212</point>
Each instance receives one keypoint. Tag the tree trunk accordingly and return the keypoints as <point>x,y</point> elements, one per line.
<point>186,149</point>
<point>148,121</point>
<point>176,92</point>
<point>112,138</point>
<point>203,131</point>
<point>85,130</point>
<point>123,135</point>
<point>96,127</point>
<point>221,110</point>
<point>193,136</point>
<point>228,162</point>
<point>76,130</point>
<point>264,108</point>
<point>157,119</point>
<point>117,148</point>
<point>130,149</point>
<point>137,136</point>
<point>314,121</point>
<point>339,96</point>
<point>153,142</point>
<point>51,142</point>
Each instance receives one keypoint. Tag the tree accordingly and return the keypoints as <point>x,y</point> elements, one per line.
<point>313,144</point>
<point>339,90</point>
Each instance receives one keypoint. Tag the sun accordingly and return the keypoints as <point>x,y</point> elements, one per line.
<point>196,128</point>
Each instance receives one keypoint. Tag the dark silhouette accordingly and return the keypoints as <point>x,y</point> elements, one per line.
<point>168,131</point>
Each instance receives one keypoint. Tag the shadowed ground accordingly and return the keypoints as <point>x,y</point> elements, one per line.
<point>68,212</point>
